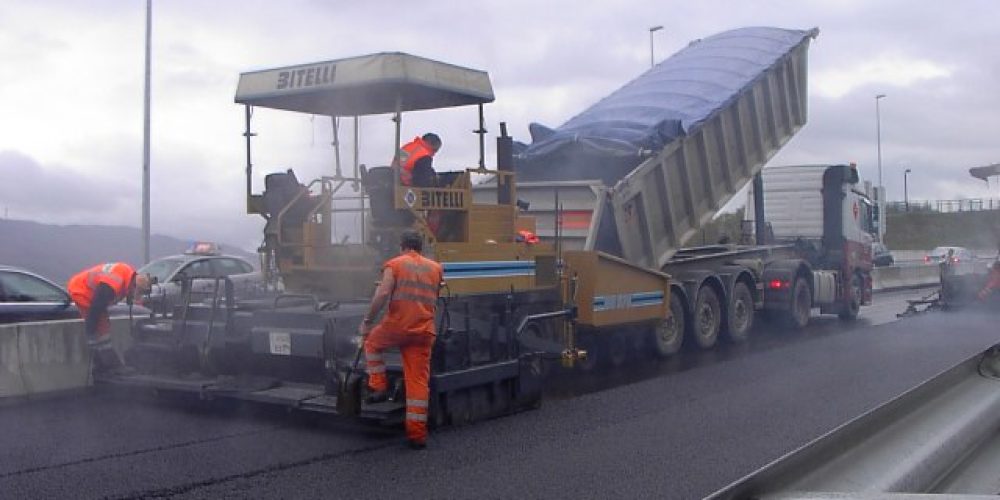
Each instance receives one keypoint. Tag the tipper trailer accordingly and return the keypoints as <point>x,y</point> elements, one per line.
<point>644,169</point>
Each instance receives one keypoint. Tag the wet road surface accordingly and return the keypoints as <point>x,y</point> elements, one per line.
<point>676,429</point>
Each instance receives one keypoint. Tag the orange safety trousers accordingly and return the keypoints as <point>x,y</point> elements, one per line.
<point>415,349</point>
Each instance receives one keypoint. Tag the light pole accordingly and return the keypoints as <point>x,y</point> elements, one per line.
<point>651,31</point>
<point>145,139</point>
<point>906,193</point>
<point>878,136</point>
<point>881,189</point>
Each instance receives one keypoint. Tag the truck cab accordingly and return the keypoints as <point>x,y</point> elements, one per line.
<point>820,209</point>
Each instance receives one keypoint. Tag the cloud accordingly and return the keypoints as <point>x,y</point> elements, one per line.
<point>26,187</point>
<point>884,71</point>
<point>71,90</point>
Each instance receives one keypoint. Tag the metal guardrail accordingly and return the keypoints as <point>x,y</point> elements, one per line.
<point>937,438</point>
<point>943,206</point>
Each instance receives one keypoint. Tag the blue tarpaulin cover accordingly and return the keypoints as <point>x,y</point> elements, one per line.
<point>672,99</point>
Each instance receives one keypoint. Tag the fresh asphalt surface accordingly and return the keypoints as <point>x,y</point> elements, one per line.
<point>676,429</point>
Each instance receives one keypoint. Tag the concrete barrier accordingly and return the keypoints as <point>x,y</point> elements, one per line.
<point>48,357</point>
<point>897,277</point>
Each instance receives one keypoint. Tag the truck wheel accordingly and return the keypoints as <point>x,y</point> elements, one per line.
<point>740,314</point>
<point>707,317</point>
<point>797,316</point>
<point>851,308</point>
<point>668,335</point>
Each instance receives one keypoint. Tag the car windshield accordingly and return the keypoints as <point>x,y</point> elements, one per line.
<point>161,269</point>
<point>942,251</point>
<point>18,287</point>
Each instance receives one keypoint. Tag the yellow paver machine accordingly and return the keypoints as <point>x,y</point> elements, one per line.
<point>508,301</point>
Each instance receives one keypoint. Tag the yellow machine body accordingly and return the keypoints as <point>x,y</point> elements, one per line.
<point>611,291</point>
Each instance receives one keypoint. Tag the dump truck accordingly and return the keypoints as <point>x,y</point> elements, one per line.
<point>505,306</point>
<point>639,173</point>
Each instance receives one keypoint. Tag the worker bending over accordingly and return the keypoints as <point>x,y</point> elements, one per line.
<point>96,289</point>
<point>410,284</point>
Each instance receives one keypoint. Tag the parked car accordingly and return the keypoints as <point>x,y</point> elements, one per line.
<point>202,263</point>
<point>26,296</point>
<point>881,256</point>
<point>963,261</point>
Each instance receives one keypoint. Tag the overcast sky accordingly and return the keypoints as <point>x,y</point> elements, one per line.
<point>71,87</point>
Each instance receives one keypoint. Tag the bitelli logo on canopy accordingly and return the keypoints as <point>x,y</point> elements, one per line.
<point>309,76</point>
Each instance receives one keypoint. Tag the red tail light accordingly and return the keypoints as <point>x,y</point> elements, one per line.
<point>954,260</point>
<point>776,284</point>
<point>927,258</point>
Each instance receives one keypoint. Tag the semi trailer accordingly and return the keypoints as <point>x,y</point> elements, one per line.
<point>639,173</point>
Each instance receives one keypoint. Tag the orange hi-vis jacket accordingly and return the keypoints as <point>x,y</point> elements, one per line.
<point>992,283</point>
<point>413,300</point>
<point>83,285</point>
<point>409,154</point>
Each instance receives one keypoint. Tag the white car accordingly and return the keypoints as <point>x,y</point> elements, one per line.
<point>200,266</point>
<point>963,261</point>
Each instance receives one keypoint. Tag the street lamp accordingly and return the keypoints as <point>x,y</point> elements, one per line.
<point>651,31</point>
<point>878,136</point>
<point>906,194</point>
<point>881,189</point>
<point>145,137</point>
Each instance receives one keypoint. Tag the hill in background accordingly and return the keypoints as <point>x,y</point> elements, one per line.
<point>58,252</point>
<point>915,230</point>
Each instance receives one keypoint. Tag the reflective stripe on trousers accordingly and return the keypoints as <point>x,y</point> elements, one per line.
<point>376,370</point>
<point>100,343</point>
<point>415,350</point>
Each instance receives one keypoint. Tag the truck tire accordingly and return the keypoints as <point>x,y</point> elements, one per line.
<point>851,308</point>
<point>667,336</point>
<point>797,316</point>
<point>741,312</point>
<point>707,317</point>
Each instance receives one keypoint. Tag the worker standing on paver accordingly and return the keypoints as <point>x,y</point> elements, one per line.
<point>410,284</point>
<point>415,160</point>
<point>94,290</point>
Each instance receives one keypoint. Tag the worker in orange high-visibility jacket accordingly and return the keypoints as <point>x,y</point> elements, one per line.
<point>94,290</point>
<point>992,282</point>
<point>525,236</point>
<point>410,284</point>
<point>416,161</point>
